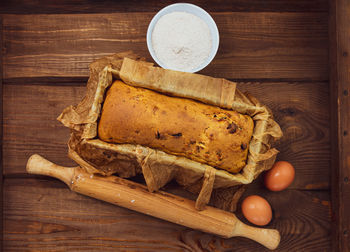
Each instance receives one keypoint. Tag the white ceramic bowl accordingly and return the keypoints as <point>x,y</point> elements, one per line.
<point>192,9</point>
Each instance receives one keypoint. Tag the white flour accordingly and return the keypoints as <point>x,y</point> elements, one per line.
<point>181,41</point>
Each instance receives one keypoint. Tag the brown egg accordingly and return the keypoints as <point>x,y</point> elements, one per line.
<point>257,210</point>
<point>280,176</point>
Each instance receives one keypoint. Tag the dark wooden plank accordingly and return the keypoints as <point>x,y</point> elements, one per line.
<point>252,45</point>
<point>1,138</point>
<point>30,124</point>
<point>109,6</point>
<point>301,109</point>
<point>339,30</point>
<point>43,213</point>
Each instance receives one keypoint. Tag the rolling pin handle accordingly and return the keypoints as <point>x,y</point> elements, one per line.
<point>270,238</point>
<point>40,166</point>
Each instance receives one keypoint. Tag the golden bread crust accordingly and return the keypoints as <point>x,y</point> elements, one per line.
<point>178,126</point>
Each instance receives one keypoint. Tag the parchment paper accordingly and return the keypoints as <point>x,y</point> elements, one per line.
<point>158,167</point>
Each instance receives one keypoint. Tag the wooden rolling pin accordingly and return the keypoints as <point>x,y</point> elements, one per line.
<point>160,204</point>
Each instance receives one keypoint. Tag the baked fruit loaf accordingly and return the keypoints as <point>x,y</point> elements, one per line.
<point>178,126</point>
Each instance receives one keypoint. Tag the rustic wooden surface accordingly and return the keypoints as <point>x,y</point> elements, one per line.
<point>43,214</point>
<point>110,6</point>
<point>1,138</point>
<point>276,50</point>
<point>340,110</point>
<point>273,46</point>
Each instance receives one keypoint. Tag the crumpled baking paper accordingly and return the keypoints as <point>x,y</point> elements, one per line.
<point>158,167</point>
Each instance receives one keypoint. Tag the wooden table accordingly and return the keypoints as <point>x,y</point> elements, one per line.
<point>278,50</point>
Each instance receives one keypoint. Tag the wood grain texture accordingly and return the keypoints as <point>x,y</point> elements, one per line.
<point>340,117</point>
<point>1,138</point>
<point>281,46</point>
<point>44,214</point>
<point>252,45</point>
<point>30,125</point>
<point>302,111</point>
<point>109,6</point>
<point>30,116</point>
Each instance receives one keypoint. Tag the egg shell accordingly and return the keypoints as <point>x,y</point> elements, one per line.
<point>257,210</point>
<point>280,176</point>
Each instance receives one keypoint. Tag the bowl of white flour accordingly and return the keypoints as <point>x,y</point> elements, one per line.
<point>183,37</point>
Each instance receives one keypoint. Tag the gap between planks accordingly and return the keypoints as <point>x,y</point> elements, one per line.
<point>107,6</point>
<point>81,81</point>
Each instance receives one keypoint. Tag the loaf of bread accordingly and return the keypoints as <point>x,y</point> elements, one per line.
<point>178,126</point>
